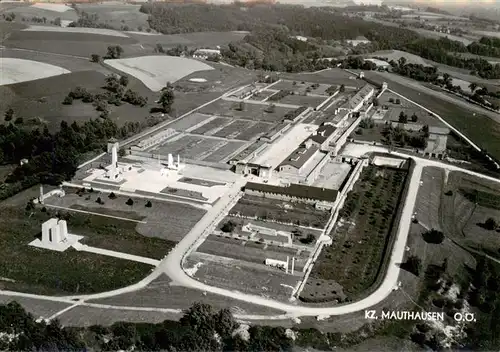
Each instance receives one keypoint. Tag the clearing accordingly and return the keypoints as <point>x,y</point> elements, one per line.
<point>155,71</point>
<point>19,70</point>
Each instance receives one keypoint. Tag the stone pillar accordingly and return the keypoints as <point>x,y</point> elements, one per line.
<point>293,264</point>
<point>40,200</point>
<point>47,230</point>
<point>63,229</point>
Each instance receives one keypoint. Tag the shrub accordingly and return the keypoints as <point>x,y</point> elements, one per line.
<point>68,100</point>
<point>228,227</point>
<point>112,196</point>
<point>433,236</point>
<point>149,204</point>
<point>413,264</point>
<point>130,202</point>
<point>490,224</point>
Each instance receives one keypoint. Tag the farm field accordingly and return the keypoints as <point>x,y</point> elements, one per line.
<point>156,70</point>
<point>166,221</point>
<point>260,96</point>
<point>77,45</point>
<point>49,12</point>
<point>248,150</point>
<point>397,54</point>
<point>48,272</point>
<point>362,234</point>
<point>429,198</point>
<point>233,275</point>
<point>271,209</point>
<point>251,111</point>
<point>19,70</point>
<point>118,15</point>
<point>476,126</point>
<point>191,40</point>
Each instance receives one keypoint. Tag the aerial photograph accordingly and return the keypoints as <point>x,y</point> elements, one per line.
<point>250,175</point>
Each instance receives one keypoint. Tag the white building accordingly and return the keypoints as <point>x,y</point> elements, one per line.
<point>206,53</point>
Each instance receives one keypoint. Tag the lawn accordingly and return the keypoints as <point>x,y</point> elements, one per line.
<point>479,128</point>
<point>362,234</point>
<point>250,111</point>
<point>48,272</point>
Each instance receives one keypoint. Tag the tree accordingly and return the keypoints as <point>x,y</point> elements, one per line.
<point>18,121</point>
<point>472,87</point>
<point>342,88</point>
<point>114,52</point>
<point>402,62</point>
<point>68,100</point>
<point>9,114</point>
<point>57,21</point>
<point>490,224</point>
<point>112,195</point>
<point>228,227</point>
<point>310,238</point>
<point>433,236</point>
<point>124,80</point>
<point>122,152</point>
<point>414,118</point>
<point>167,99</point>
<point>241,106</point>
<point>149,204</point>
<point>99,200</point>
<point>398,101</point>
<point>271,108</point>
<point>130,202</point>
<point>403,118</point>
<point>95,58</point>
<point>375,102</point>
<point>413,264</point>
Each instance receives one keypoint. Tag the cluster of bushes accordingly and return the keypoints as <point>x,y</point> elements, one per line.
<point>280,95</point>
<point>291,115</point>
<point>115,94</point>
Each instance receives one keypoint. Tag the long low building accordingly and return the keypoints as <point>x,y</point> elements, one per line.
<point>293,192</point>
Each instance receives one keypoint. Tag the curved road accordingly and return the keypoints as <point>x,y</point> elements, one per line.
<point>171,265</point>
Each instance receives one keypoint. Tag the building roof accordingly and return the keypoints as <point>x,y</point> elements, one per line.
<point>299,156</point>
<point>360,96</point>
<point>438,130</point>
<point>322,133</point>
<point>296,190</point>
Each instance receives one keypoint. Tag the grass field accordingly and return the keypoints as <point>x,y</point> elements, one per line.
<point>479,128</point>
<point>155,71</point>
<point>48,272</point>
<point>251,111</point>
<point>270,209</point>
<point>163,220</point>
<point>360,238</point>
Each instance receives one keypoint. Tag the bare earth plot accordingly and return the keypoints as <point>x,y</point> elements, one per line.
<point>397,54</point>
<point>19,70</point>
<point>251,252</point>
<point>192,147</point>
<point>255,131</point>
<point>429,197</point>
<point>282,211</point>
<point>223,152</point>
<point>234,129</point>
<point>302,100</point>
<point>332,76</point>
<point>162,293</point>
<point>100,31</point>
<point>189,121</point>
<point>156,71</point>
<point>235,276</point>
<point>212,124</point>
